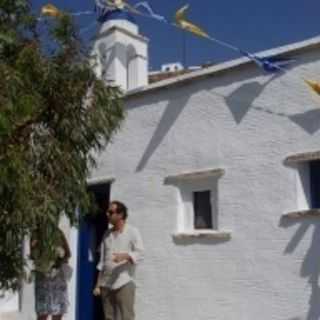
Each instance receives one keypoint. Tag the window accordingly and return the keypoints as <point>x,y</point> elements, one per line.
<point>202,210</point>
<point>307,167</point>
<point>314,167</point>
<point>198,204</point>
<point>308,185</point>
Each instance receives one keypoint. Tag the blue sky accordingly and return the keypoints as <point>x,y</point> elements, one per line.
<point>252,25</point>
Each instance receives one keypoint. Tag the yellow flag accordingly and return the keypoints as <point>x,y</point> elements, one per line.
<point>121,5</point>
<point>51,10</point>
<point>183,23</point>
<point>314,85</point>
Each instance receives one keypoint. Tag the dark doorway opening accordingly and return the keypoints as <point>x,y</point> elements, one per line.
<point>91,231</point>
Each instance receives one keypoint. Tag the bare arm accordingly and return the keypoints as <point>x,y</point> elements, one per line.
<point>32,245</point>
<point>97,290</point>
<point>66,247</point>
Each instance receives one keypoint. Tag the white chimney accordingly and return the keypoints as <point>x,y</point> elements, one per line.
<point>121,52</point>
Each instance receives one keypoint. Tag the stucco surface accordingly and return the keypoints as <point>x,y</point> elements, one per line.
<point>246,123</point>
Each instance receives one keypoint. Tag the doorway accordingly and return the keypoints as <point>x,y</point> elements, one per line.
<point>91,230</point>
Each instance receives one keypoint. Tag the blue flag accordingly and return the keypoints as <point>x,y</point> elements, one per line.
<point>150,12</point>
<point>269,64</point>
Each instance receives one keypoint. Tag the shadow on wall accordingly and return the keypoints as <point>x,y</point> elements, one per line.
<point>310,267</point>
<point>176,103</point>
<point>241,100</point>
<point>239,103</point>
<point>309,121</point>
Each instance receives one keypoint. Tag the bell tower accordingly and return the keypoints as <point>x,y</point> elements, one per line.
<point>121,52</point>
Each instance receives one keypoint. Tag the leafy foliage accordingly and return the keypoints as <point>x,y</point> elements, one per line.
<point>55,115</point>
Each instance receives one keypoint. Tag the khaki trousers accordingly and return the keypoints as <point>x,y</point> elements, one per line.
<point>119,302</point>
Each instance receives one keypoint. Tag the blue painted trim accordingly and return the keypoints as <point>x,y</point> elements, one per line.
<point>116,14</point>
<point>86,273</point>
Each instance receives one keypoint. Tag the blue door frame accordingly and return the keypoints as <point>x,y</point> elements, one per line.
<point>91,230</point>
<point>86,273</point>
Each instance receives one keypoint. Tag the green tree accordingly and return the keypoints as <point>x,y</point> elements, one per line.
<point>55,116</point>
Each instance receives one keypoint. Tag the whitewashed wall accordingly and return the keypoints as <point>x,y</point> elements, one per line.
<point>9,305</point>
<point>246,123</point>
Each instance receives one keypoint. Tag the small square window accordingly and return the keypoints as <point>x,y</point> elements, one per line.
<point>198,205</point>
<point>308,185</point>
<point>314,167</point>
<point>307,167</point>
<point>202,210</point>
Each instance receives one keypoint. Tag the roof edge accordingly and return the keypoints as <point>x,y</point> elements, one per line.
<point>225,66</point>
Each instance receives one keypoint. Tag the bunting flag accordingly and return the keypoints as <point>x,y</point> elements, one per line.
<point>314,85</point>
<point>122,5</point>
<point>117,4</point>
<point>101,7</point>
<point>51,11</point>
<point>268,64</point>
<point>183,23</point>
<point>150,12</point>
<point>81,13</point>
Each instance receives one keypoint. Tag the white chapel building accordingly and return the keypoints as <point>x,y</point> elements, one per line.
<point>220,170</point>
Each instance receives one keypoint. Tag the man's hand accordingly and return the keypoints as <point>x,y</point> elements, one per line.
<point>97,291</point>
<point>120,257</point>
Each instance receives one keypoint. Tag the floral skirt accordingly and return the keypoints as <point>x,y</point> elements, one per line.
<point>51,294</point>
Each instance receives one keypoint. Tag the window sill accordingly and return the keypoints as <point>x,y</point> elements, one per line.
<point>308,213</point>
<point>203,234</point>
<point>303,157</point>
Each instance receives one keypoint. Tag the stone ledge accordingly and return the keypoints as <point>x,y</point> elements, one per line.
<point>99,180</point>
<point>315,213</point>
<point>189,176</point>
<point>303,157</point>
<point>203,234</point>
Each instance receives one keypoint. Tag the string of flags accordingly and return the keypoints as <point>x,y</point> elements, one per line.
<point>53,11</point>
<point>183,23</point>
<point>146,6</point>
<point>102,7</point>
